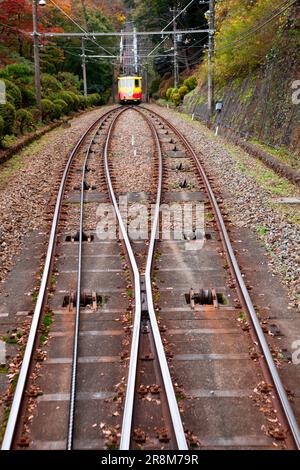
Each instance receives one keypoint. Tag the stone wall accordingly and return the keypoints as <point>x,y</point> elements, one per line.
<point>259,106</point>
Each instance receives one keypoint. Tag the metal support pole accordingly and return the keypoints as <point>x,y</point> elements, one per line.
<point>135,51</point>
<point>114,86</point>
<point>211,47</point>
<point>176,78</point>
<point>36,50</point>
<point>146,88</point>
<point>83,56</point>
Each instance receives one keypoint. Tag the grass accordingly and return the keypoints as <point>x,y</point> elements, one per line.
<point>261,230</point>
<point>290,212</point>
<point>130,292</point>
<point>103,301</point>
<point>251,166</point>
<point>34,296</point>
<point>43,338</point>
<point>222,299</point>
<point>48,319</point>
<point>19,160</point>
<point>281,154</point>
<point>52,280</point>
<point>242,316</point>
<point>163,102</point>
<point>47,322</point>
<point>8,340</point>
<point>180,396</point>
<point>6,408</point>
<point>112,446</point>
<point>263,176</point>
<point>6,411</point>
<point>209,216</point>
<point>7,141</point>
<point>9,167</point>
<point>157,255</point>
<point>4,370</point>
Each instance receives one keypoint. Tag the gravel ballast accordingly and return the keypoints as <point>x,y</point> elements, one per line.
<point>26,185</point>
<point>252,194</point>
<point>132,153</point>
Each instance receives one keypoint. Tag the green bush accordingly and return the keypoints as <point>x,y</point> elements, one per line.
<point>105,96</point>
<point>154,87</point>
<point>24,120</point>
<point>183,90</point>
<point>169,93</point>
<point>93,99</point>
<point>76,100</point>
<point>10,99</point>
<point>66,97</point>
<point>190,83</point>
<point>50,85</point>
<point>47,67</point>
<point>176,98</point>
<point>18,73</point>
<point>35,114</point>
<point>13,93</point>
<point>57,111</point>
<point>1,128</point>
<point>82,101</point>
<point>69,81</point>
<point>28,97</point>
<point>8,114</point>
<point>62,104</point>
<point>47,110</point>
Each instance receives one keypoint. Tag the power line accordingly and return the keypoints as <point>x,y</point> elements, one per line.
<point>178,14</point>
<point>77,24</point>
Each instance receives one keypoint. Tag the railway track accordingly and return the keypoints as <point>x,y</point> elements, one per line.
<point>279,398</point>
<point>151,375</point>
<point>18,408</point>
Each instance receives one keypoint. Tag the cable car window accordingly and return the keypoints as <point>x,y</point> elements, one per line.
<point>129,83</point>
<point>136,82</point>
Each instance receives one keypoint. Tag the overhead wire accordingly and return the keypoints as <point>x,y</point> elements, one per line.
<point>78,25</point>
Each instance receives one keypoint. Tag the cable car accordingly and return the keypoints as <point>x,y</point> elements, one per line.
<point>130,89</point>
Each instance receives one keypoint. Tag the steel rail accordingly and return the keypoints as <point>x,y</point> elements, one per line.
<point>129,400</point>
<point>169,389</point>
<point>126,430</point>
<point>25,367</point>
<point>288,412</point>
<point>78,292</point>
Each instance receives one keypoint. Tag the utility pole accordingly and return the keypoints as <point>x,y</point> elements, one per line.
<point>135,51</point>
<point>211,50</point>
<point>176,78</point>
<point>114,85</point>
<point>146,88</point>
<point>83,63</point>
<point>36,50</point>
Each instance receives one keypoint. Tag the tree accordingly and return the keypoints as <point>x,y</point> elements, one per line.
<point>16,20</point>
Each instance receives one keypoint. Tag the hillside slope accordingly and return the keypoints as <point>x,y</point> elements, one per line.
<point>260,99</point>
